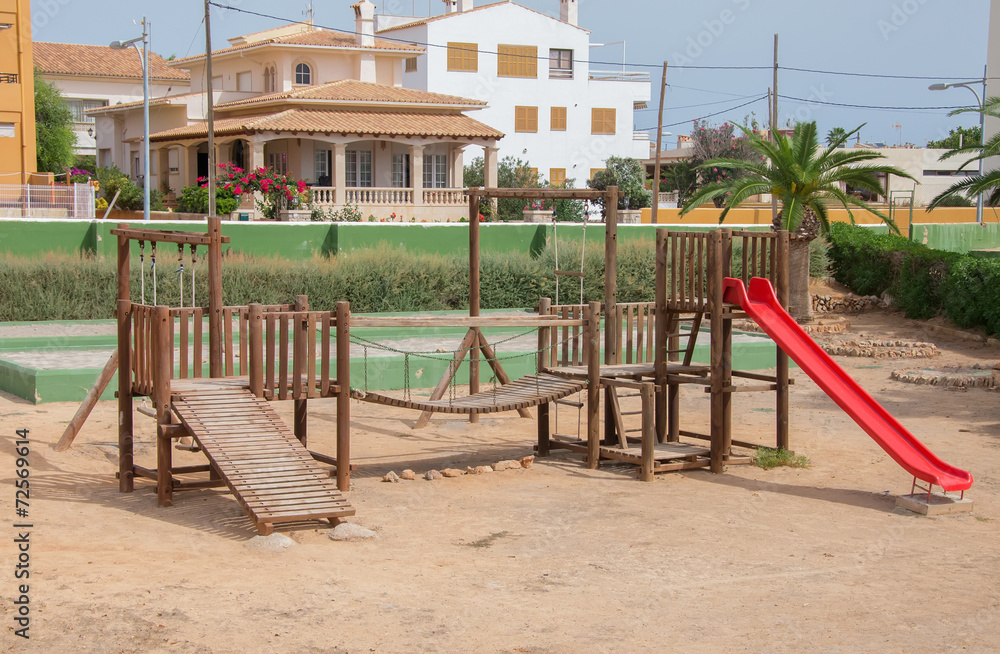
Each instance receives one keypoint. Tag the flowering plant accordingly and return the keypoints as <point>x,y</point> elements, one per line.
<point>277,191</point>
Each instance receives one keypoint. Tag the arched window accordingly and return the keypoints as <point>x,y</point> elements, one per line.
<point>303,74</point>
<point>270,75</point>
<point>238,156</point>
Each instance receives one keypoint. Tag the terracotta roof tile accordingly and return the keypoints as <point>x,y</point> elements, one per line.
<point>99,61</point>
<point>315,37</point>
<point>354,91</point>
<point>166,99</point>
<point>373,123</point>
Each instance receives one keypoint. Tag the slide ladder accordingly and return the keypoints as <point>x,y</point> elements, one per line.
<point>271,474</point>
<point>762,305</point>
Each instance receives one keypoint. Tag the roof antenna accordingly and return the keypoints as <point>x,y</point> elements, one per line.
<point>308,13</point>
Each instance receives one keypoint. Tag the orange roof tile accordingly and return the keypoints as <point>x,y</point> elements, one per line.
<point>353,91</point>
<point>100,61</point>
<point>373,123</point>
<point>315,37</point>
<point>166,99</point>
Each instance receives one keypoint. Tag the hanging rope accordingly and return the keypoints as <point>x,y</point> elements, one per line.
<point>555,242</point>
<point>142,272</point>
<point>583,255</point>
<point>180,274</point>
<point>152,266</point>
<point>194,260</point>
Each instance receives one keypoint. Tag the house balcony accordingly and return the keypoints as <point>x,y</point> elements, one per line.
<point>431,204</point>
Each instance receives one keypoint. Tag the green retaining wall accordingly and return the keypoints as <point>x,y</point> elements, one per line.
<point>961,237</point>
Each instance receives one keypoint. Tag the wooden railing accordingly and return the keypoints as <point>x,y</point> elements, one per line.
<point>565,346</point>
<point>754,254</point>
<point>686,281</point>
<point>636,323</point>
<point>142,349</point>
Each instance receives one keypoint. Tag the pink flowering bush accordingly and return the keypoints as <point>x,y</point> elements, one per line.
<point>277,191</point>
<point>718,143</point>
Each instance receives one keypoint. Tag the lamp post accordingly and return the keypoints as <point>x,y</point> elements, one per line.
<point>982,126</point>
<point>144,56</point>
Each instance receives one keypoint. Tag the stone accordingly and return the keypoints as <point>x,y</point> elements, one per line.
<point>527,461</point>
<point>274,543</point>
<point>452,472</point>
<point>431,475</point>
<point>507,465</point>
<point>937,505</point>
<point>478,470</point>
<point>407,475</point>
<point>347,531</point>
<point>391,477</point>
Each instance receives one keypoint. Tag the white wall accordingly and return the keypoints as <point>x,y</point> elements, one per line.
<point>917,161</point>
<point>576,149</point>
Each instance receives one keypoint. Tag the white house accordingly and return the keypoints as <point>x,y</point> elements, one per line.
<point>560,115</point>
<point>93,76</point>
<point>323,106</point>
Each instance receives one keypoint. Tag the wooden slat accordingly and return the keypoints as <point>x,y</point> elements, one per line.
<point>324,369</point>
<point>227,341</point>
<point>244,342</point>
<point>282,357</point>
<point>269,319</point>
<point>197,316</point>
<point>184,313</point>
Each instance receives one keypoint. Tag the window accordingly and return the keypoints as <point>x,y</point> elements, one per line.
<point>411,65</point>
<point>525,119</point>
<point>557,119</point>
<point>560,64</point>
<point>78,107</point>
<point>278,162</point>
<point>8,130</point>
<point>321,167</point>
<point>517,61</point>
<point>238,155</point>
<point>401,171</point>
<point>602,121</point>
<point>435,171</point>
<point>303,74</point>
<point>270,79</point>
<point>557,176</point>
<point>358,166</point>
<point>243,81</point>
<point>463,57</point>
<point>533,174</point>
<point>594,171</point>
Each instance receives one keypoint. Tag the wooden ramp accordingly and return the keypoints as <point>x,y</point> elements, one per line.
<point>271,474</point>
<point>528,391</point>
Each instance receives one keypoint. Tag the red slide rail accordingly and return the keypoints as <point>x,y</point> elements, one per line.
<point>762,305</point>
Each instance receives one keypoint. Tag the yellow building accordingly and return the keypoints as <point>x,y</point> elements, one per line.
<point>17,94</point>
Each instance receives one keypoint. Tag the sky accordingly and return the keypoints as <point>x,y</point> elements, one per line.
<point>939,40</point>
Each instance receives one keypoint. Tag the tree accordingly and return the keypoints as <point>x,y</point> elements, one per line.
<point>804,178</point>
<point>511,173</point>
<point>988,183</point>
<point>717,143</point>
<point>958,138</point>
<point>54,136</point>
<point>680,177</point>
<point>836,134</point>
<point>629,175</point>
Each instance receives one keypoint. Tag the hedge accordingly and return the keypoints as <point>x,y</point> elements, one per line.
<point>921,281</point>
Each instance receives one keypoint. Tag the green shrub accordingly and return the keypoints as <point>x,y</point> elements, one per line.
<point>194,199</point>
<point>130,194</point>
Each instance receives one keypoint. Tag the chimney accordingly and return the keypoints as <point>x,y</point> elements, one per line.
<point>569,12</point>
<point>449,6</point>
<point>465,5</point>
<point>364,23</point>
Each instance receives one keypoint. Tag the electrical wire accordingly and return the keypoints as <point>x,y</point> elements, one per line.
<point>866,106</point>
<point>703,104</point>
<point>684,122</point>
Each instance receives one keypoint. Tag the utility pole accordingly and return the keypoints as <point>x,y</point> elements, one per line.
<point>211,109</point>
<point>659,143</point>
<point>774,119</point>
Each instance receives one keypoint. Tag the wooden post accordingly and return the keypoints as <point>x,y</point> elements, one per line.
<point>593,384</point>
<point>162,369</point>
<point>474,292</point>
<point>299,423</point>
<point>344,396</point>
<point>782,395</point>
<point>726,401</point>
<point>654,218</point>
<point>255,365</point>
<point>125,437</point>
<point>660,333</point>
<point>648,441</point>
<point>124,271</point>
<point>717,344</point>
<point>89,402</point>
<point>610,272</point>
<point>215,297</point>
<point>544,420</point>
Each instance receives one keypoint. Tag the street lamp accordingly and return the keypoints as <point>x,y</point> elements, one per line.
<point>982,126</point>
<point>144,56</point>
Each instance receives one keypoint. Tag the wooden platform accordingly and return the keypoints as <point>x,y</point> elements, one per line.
<point>528,391</point>
<point>271,474</point>
<point>667,457</point>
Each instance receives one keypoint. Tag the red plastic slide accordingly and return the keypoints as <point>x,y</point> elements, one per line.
<point>762,305</point>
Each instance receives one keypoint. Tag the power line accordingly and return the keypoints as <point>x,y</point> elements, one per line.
<point>684,122</point>
<point>703,104</point>
<point>866,106</point>
<point>876,75</point>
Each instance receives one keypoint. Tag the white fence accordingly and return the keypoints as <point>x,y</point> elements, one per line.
<point>57,201</point>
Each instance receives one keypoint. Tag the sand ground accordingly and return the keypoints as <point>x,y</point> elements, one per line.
<point>555,558</point>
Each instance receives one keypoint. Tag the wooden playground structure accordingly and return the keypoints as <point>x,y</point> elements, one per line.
<point>257,354</point>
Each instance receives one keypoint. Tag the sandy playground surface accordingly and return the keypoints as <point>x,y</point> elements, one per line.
<point>554,558</point>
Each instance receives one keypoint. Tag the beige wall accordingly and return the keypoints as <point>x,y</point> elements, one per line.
<point>17,100</point>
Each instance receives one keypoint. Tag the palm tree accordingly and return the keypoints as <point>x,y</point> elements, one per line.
<point>836,134</point>
<point>805,179</point>
<point>988,183</point>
